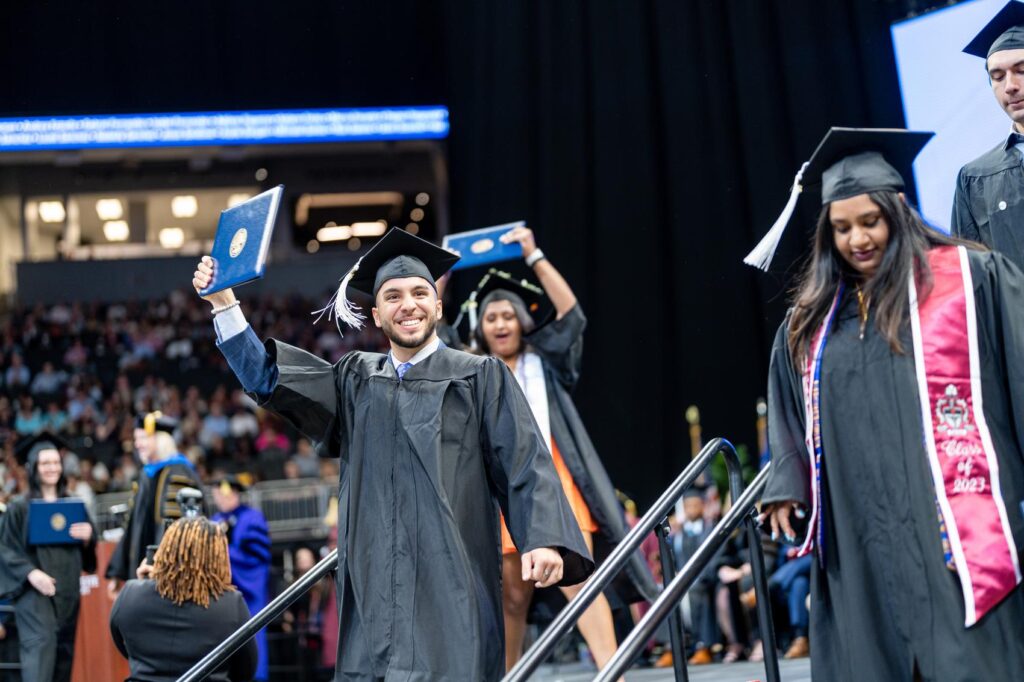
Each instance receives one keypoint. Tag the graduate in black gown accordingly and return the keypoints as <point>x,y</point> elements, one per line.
<point>988,206</point>
<point>154,503</point>
<point>432,442</point>
<point>546,360</point>
<point>43,580</point>
<point>908,496</point>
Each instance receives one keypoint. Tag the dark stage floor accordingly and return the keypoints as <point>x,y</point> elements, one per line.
<point>791,671</point>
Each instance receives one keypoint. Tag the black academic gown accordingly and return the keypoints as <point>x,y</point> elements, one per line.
<point>885,598</point>
<point>46,625</point>
<point>988,205</point>
<point>154,501</point>
<point>426,462</point>
<point>560,347</point>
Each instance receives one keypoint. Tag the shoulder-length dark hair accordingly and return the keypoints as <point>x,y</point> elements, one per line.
<point>35,490</point>
<point>910,239</point>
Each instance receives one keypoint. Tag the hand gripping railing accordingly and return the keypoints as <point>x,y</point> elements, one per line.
<point>743,509</point>
<point>225,649</point>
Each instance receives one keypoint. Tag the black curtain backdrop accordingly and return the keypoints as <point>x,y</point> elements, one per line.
<point>650,143</point>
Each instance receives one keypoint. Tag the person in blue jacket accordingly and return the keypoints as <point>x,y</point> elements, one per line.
<point>249,552</point>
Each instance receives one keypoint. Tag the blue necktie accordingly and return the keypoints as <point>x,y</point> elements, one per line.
<point>402,369</point>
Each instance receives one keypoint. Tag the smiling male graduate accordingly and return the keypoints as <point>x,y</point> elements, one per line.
<point>432,442</point>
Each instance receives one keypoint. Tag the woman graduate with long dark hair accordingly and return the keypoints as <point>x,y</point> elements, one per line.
<point>43,580</point>
<point>896,412</point>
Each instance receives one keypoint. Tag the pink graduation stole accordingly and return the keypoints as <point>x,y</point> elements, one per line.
<point>965,469</point>
<point>964,465</point>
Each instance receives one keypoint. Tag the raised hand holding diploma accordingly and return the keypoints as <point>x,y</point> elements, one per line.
<point>202,278</point>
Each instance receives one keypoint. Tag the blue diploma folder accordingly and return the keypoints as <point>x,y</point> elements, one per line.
<point>242,241</point>
<point>483,246</point>
<point>49,523</point>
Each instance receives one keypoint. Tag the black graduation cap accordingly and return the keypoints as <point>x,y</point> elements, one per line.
<point>504,286</point>
<point>847,162</point>
<point>397,254</point>
<point>28,450</point>
<point>1005,31</point>
<point>531,294</point>
<point>151,422</point>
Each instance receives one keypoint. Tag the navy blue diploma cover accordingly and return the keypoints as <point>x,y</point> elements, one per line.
<point>483,246</point>
<point>242,241</point>
<point>49,523</point>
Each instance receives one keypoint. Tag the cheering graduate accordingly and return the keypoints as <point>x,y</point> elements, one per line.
<point>43,579</point>
<point>165,471</point>
<point>896,408</point>
<point>249,551</point>
<point>432,441</point>
<point>546,362</point>
<point>989,203</point>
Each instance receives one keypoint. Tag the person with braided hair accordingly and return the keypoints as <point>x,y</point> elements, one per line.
<point>185,598</point>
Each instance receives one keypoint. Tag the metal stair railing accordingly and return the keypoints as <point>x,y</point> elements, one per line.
<point>654,519</point>
<point>677,585</point>
<point>275,608</point>
<point>743,510</point>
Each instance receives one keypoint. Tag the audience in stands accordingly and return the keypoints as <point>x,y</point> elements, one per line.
<point>84,371</point>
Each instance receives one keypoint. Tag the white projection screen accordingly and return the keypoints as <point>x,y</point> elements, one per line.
<point>947,91</point>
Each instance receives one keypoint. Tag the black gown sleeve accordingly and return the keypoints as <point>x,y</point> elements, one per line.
<point>789,478</point>
<point>526,485</point>
<point>560,344</point>
<point>1006,282</point>
<point>306,394</point>
<point>13,553</point>
<point>962,224</point>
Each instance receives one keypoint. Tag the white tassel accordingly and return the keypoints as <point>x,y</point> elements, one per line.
<point>761,256</point>
<point>343,309</point>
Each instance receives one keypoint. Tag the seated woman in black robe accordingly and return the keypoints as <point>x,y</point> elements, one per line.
<point>43,579</point>
<point>187,598</point>
<point>896,411</point>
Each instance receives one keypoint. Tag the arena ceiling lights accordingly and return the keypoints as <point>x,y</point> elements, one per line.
<point>193,129</point>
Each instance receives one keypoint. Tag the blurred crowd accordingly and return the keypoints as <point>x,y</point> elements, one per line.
<point>85,371</point>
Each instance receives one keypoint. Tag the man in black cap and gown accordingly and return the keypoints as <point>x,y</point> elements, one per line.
<point>165,471</point>
<point>988,206</point>
<point>432,442</point>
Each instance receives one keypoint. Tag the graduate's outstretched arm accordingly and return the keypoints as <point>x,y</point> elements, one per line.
<point>246,356</point>
<point>555,286</point>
